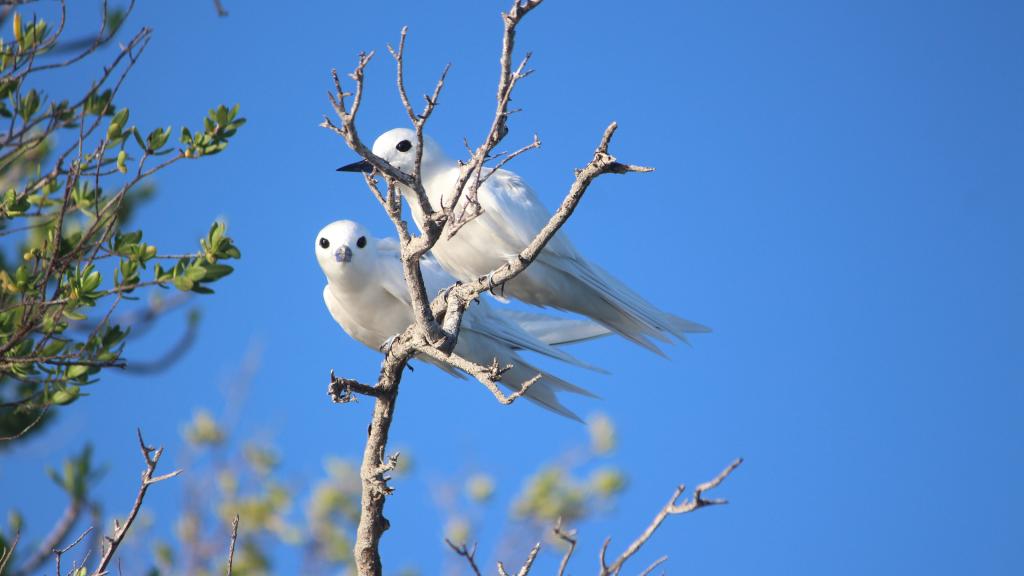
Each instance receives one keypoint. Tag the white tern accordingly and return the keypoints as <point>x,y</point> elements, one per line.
<point>512,216</point>
<point>367,295</point>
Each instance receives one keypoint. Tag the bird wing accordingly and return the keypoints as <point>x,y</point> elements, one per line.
<point>495,324</point>
<point>480,319</point>
<point>556,330</point>
<point>515,214</point>
<point>389,266</point>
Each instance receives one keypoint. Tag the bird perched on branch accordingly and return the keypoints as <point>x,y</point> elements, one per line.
<point>511,217</point>
<point>367,295</point>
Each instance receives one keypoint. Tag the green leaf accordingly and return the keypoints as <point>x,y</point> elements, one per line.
<point>76,370</point>
<point>216,271</point>
<point>66,396</point>
<point>7,88</point>
<point>120,117</point>
<point>74,315</point>
<point>53,348</point>
<point>157,138</point>
<point>182,283</point>
<point>195,273</point>
<point>29,105</point>
<point>138,138</point>
<point>92,281</point>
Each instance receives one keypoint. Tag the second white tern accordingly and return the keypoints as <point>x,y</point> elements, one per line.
<point>512,216</point>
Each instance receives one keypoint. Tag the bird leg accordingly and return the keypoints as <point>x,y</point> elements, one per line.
<point>386,346</point>
<point>491,286</point>
<point>444,292</point>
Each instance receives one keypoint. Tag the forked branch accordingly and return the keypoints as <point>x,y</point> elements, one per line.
<point>437,322</point>
<point>671,508</point>
<point>152,457</point>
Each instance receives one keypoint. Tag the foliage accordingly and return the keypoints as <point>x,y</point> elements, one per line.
<point>73,167</point>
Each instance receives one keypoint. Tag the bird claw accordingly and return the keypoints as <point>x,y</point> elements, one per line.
<point>386,349</point>
<point>386,346</point>
<point>444,292</point>
<point>491,286</point>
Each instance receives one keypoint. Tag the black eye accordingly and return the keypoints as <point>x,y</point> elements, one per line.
<point>325,243</point>
<point>403,146</point>
<point>361,242</point>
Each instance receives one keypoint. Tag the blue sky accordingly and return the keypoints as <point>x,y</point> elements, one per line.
<point>838,194</point>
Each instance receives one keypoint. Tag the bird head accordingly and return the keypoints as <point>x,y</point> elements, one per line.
<point>344,251</point>
<point>398,148</point>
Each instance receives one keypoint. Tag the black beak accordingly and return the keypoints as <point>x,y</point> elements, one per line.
<point>361,166</point>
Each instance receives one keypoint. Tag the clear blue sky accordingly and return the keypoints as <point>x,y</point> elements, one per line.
<point>839,195</point>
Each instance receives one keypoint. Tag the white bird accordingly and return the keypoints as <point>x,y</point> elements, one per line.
<point>512,216</point>
<point>367,295</point>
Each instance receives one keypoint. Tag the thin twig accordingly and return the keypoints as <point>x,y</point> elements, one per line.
<point>569,537</point>
<point>66,549</point>
<point>526,565</point>
<point>152,457</point>
<point>489,376</point>
<point>8,553</point>
<point>671,508</point>
<point>57,534</point>
<point>341,389</point>
<point>469,555</point>
<point>30,426</point>
<point>654,565</point>
<point>231,549</point>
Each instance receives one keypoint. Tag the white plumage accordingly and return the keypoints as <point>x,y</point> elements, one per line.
<point>367,295</point>
<point>512,216</point>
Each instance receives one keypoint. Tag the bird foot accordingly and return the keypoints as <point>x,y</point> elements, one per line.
<point>386,346</point>
<point>491,286</point>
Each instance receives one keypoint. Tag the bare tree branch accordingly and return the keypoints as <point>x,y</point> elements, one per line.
<point>231,549</point>
<point>57,534</point>
<point>469,555</point>
<point>654,565</point>
<point>437,322</point>
<point>66,549</point>
<point>569,537</point>
<point>526,565</point>
<point>489,376</point>
<point>28,427</point>
<point>341,390</point>
<point>671,508</point>
<point>8,553</point>
<point>152,457</point>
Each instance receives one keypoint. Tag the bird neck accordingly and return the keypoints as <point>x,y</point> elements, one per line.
<point>346,284</point>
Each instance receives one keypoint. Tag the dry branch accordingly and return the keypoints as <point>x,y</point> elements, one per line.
<point>671,508</point>
<point>8,553</point>
<point>59,553</point>
<point>57,534</point>
<point>231,547</point>
<point>569,537</point>
<point>437,322</point>
<point>152,457</point>
<point>469,555</point>
<point>526,565</point>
